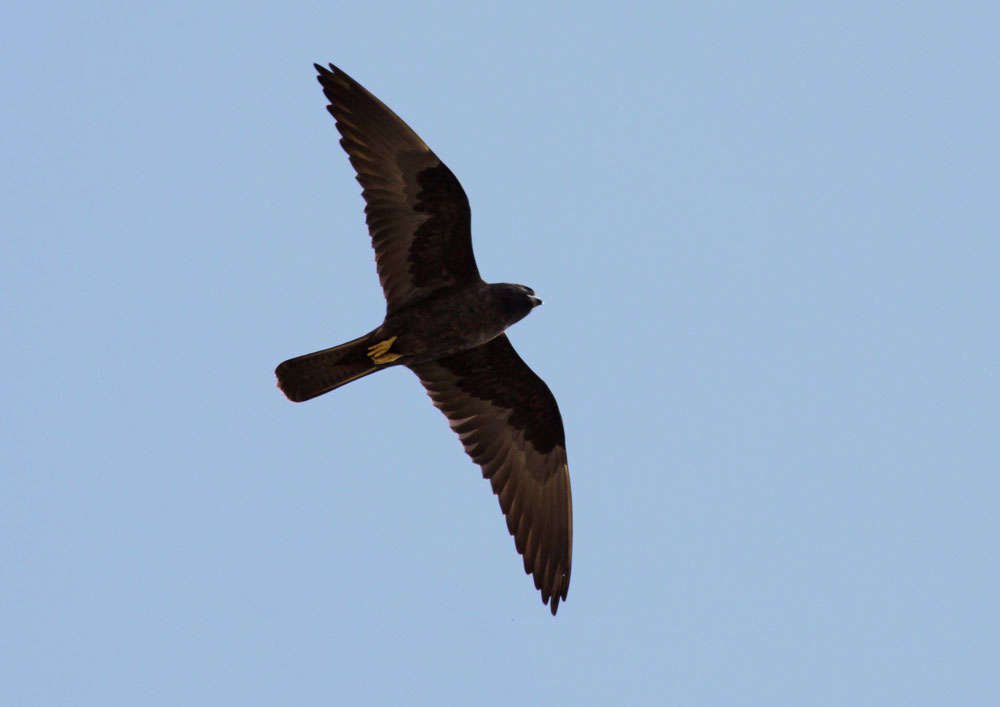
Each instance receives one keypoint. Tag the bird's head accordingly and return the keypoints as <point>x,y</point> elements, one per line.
<point>532,297</point>
<point>518,300</point>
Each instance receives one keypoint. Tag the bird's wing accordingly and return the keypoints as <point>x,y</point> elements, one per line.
<point>510,425</point>
<point>417,212</point>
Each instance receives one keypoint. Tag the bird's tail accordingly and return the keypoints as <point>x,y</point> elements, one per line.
<point>305,377</point>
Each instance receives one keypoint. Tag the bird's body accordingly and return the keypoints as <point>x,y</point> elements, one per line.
<point>447,325</point>
<point>454,320</point>
<point>446,322</point>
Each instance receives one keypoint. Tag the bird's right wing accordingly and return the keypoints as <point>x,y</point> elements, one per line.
<point>509,423</point>
<point>417,212</point>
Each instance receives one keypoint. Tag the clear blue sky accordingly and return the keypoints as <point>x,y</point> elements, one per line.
<point>768,240</point>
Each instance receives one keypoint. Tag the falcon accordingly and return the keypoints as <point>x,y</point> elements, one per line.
<point>447,325</point>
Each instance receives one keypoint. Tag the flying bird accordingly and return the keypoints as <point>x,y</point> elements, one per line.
<point>447,325</point>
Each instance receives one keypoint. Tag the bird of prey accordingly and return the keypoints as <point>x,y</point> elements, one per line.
<point>447,325</point>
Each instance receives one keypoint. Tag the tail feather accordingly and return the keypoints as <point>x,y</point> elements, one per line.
<point>305,377</point>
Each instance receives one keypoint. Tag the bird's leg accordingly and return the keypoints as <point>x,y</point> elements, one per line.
<point>379,353</point>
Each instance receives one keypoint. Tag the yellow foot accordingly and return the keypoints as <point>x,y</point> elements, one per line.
<point>379,353</point>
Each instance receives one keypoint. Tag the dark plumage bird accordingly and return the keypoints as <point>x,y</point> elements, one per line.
<point>446,325</point>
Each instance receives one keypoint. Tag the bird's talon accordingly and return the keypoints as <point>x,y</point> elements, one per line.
<point>379,353</point>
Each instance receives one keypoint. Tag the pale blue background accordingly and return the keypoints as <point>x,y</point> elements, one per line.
<point>767,238</point>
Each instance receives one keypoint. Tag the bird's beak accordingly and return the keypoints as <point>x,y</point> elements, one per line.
<point>535,301</point>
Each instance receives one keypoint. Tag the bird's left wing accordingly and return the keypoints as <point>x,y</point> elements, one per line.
<point>509,423</point>
<point>417,212</point>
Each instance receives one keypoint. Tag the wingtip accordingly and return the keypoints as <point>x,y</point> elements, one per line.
<point>556,593</point>
<point>322,71</point>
